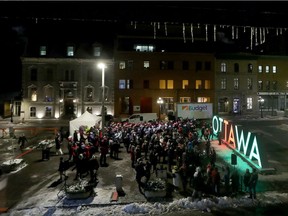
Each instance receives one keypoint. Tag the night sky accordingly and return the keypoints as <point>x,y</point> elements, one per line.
<point>14,33</point>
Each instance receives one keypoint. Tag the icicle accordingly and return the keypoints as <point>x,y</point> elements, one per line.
<point>280,31</point>
<point>267,30</point>
<point>264,35</point>
<point>260,32</point>
<point>244,29</point>
<point>256,37</point>
<point>214,33</point>
<point>131,23</point>
<point>184,37</point>
<point>206,32</point>
<point>277,31</point>
<point>232,32</point>
<point>154,30</point>
<point>135,24</point>
<point>251,38</point>
<point>192,33</point>
<point>36,20</point>
<point>158,25</point>
<point>198,25</point>
<point>236,32</point>
<point>165,24</point>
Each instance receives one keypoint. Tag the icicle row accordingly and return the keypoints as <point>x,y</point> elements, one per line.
<point>192,33</point>
<point>232,32</point>
<point>206,32</point>
<point>214,29</point>
<point>154,30</point>
<point>165,25</point>
<point>184,37</point>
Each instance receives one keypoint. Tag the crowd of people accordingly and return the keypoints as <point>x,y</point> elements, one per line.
<point>182,146</point>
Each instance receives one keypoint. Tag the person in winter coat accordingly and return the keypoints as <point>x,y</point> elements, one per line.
<point>22,140</point>
<point>197,183</point>
<point>216,180</point>
<point>93,168</point>
<point>246,180</point>
<point>58,143</point>
<point>253,183</point>
<point>61,168</point>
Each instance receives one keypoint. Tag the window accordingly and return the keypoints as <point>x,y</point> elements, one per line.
<point>236,68</point>
<point>122,84</point>
<point>260,68</point>
<point>33,74</point>
<point>198,84</point>
<point>130,64</point>
<point>69,75</point>
<point>274,69</point>
<point>70,51</point>
<point>249,103</point>
<point>267,69</point>
<point>236,83</point>
<point>168,103</point>
<point>250,68</point>
<point>198,66</point>
<point>223,83</point>
<point>125,84</point>
<point>267,85</point>
<point>162,84</point>
<point>144,48</point>
<point>274,85</point>
<point>49,74</point>
<point>146,84</point>
<point>122,65</point>
<point>260,85</point>
<point>48,111</point>
<point>48,91</point>
<point>43,51</point>
<point>89,93</point>
<point>170,84</point>
<point>166,65</point>
<point>146,64</point>
<point>96,51</point>
<point>33,94</point>
<point>203,99</point>
<point>223,68</point>
<point>207,66</point>
<point>249,83</point>
<point>207,84</point>
<point>185,84</point>
<point>185,65</point>
<point>32,111</point>
<point>185,99</point>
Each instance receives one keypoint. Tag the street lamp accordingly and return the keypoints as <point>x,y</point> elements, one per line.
<point>160,102</point>
<point>103,66</point>
<point>261,102</point>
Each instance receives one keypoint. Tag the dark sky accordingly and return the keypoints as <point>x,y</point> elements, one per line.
<point>14,13</point>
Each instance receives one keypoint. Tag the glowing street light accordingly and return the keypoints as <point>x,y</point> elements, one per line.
<point>103,66</point>
<point>160,101</point>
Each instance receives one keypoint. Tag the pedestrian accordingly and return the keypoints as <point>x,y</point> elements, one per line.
<point>58,144</point>
<point>253,183</point>
<point>140,173</point>
<point>61,169</point>
<point>197,183</point>
<point>246,180</point>
<point>22,140</point>
<point>93,168</point>
<point>227,179</point>
<point>216,180</point>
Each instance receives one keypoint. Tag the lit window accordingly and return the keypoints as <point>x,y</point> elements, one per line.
<point>198,84</point>
<point>125,84</point>
<point>170,84</point>
<point>267,69</point>
<point>249,103</point>
<point>146,64</point>
<point>122,84</point>
<point>43,51</point>
<point>185,99</point>
<point>223,67</point>
<point>48,111</point>
<point>203,99</point>
<point>207,84</point>
<point>185,84</point>
<point>33,94</point>
<point>48,91</point>
<point>70,51</point>
<point>162,84</point>
<point>122,65</point>
<point>260,85</point>
<point>144,48</point>
<point>260,69</point>
<point>274,69</point>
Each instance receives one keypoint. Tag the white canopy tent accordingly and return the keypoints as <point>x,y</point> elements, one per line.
<point>86,119</point>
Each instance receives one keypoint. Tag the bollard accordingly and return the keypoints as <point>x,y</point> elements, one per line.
<point>118,183</point>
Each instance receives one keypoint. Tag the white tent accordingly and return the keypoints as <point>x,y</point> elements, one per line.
<point>86,119</point>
